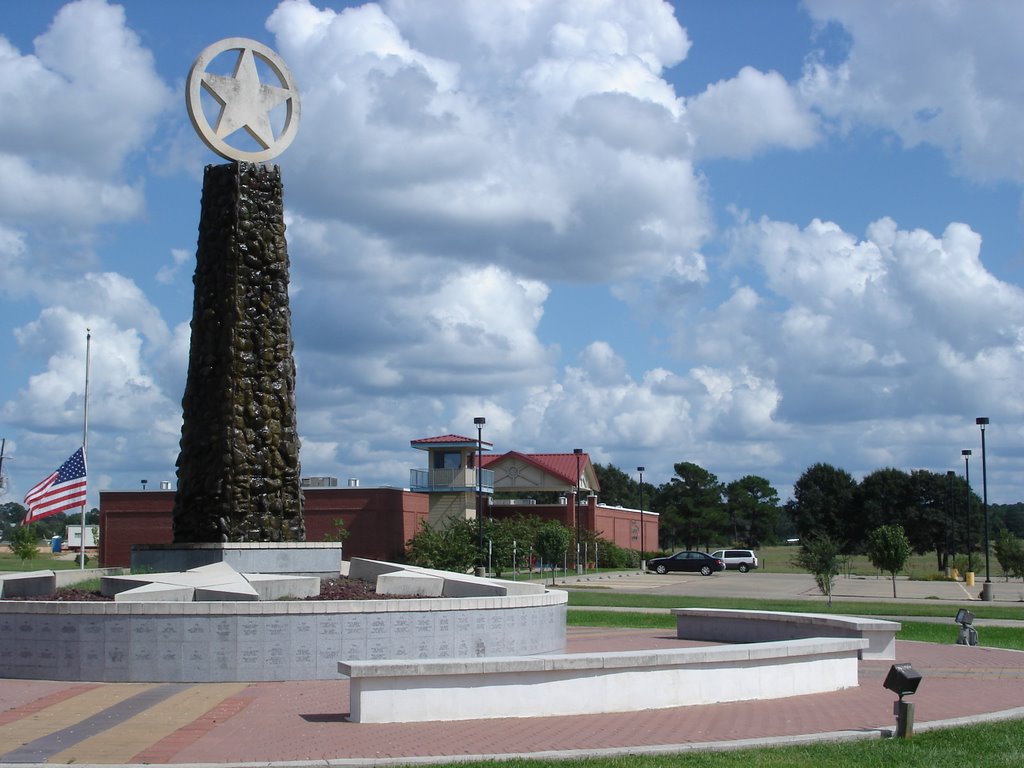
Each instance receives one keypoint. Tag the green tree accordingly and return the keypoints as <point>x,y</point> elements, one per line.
<point>753,506</point>
<point>617,488</point>
<point>883,497</point>
<point>510,541</point>
<point>930,516</point>
<point>11,515</point>
<point>1009,551</point>
<point>338,531</point>
<point>888,549</point>
<point>822,503</point>
<point>24,541</point>
<point>552,542</point>
<point>452,548</point>
<point>1010,516</point>
<point>964,526</point>
<point>820,556</point>
<point>691,507</point>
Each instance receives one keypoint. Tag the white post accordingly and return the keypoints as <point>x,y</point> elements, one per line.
<point>85,441</point>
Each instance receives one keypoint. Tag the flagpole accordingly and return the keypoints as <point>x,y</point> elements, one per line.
<point>85,438</point>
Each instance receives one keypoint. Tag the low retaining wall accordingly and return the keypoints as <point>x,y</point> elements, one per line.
<point>577,684</point>
<point>255,641</point>
<point>721,625</point>
<point>321,558</point>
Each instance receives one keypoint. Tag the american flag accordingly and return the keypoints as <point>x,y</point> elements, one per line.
<point>61,491</point>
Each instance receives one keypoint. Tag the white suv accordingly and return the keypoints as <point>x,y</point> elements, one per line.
<point>741,560</point>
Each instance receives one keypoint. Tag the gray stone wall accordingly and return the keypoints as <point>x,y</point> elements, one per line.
<point>254,641</point>
<point>238,469</point>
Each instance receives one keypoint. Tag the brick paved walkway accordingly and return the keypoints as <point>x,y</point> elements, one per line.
<point>45,722</point>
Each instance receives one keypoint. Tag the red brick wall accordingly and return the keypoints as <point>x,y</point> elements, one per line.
<point>380,520</point>
<point>612,523</point>
<point>133,517</point>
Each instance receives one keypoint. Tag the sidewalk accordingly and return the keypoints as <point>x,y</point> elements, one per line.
<point>239,724</point>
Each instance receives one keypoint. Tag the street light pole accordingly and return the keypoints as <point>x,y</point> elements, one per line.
<point>576,511</point>
<point>986,590</point>
<point>643,562</point>
<point>966,453</point>
<point>479,421</point>
<point>949,514</point>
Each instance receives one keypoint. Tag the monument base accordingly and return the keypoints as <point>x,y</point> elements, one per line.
<point>321,558</point>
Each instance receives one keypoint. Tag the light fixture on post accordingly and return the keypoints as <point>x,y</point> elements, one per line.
<point>479,421</point>
<point>950,474</point>
<point>968,634</point>
<point>966,453</point>
<point>643,562</point>
<point>903,680</point>
<point>986,589</point>
<point>576,510</point>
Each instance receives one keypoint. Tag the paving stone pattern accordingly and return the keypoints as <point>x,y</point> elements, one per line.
<point>305,721</point>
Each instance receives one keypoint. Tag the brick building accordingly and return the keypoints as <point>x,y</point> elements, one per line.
<point>381,520</point>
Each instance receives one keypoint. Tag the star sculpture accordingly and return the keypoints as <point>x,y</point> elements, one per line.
<point>245,101</point>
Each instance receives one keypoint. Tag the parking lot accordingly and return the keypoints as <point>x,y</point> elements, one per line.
<point>796,586</point>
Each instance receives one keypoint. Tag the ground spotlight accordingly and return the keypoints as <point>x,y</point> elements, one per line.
<point>968,634</point>
<point>903,680</point>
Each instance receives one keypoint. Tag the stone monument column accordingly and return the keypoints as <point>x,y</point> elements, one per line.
<point>238,469</point>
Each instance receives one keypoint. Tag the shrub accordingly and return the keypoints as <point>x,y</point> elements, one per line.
<point>24,542</point>
<point>820,556</point>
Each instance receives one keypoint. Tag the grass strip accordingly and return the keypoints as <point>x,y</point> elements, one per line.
<point>946,634</point>
<point>10,563</point>
<point>988,745</point>
<point>587,598</point>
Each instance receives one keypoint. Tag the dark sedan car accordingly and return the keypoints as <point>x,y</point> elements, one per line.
<point>695,562</point>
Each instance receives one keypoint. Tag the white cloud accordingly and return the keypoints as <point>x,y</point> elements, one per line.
<point>87,97</point>
<point>31,196</point>
<point>568,158</point>
<point>166,274</point>
<point>900,324</point>
<point>937,73</point>
<point>134,416</point>
<point>751,112</point>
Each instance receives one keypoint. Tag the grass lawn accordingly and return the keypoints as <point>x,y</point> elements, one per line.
<point>780,560</point>
<point>583,598</point>
<point>44,562</point>
<point>979,746</point>
<point>992,637</point>
<point>994,745</point>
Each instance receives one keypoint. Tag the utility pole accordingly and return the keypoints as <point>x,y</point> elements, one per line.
<point>3,480</point>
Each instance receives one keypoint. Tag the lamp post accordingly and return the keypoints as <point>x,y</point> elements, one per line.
<point>986,590</point>
<point>966,453</point>
<point>643,562</point>
<point>949,513</point>
<point>479,421</point>
<point>576,511</point>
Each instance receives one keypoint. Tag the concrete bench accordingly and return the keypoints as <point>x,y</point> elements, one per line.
<point>27,583</point>
<point>591,683</point>
<point>719,625</point>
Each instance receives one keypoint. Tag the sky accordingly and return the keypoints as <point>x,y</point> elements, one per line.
<point>749,235</point>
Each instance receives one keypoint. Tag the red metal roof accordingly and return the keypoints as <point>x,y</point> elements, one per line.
<point>449,440</point>
<point>561,465</point>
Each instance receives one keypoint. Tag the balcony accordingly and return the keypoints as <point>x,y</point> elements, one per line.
<point>450,480</point>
